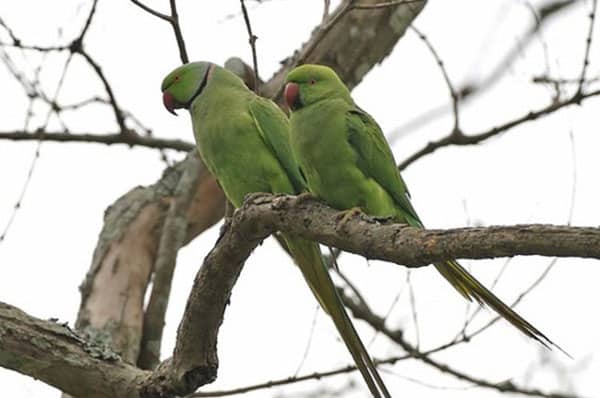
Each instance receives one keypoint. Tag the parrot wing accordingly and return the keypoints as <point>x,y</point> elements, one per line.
<point>375,160</point>
<point>274,127</point>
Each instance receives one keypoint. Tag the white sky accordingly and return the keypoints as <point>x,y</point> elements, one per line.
<point>525,176</point>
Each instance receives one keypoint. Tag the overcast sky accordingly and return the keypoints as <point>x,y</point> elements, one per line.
<point>527,175</point>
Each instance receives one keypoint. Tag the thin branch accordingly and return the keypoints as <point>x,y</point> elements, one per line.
<point>453,94</point>
<point>130,138</point>
<point>288,380</point>
<point>28,115</point>
<point>111,96</point>
<point>173,20</point>
<point>252,40</point>
<point>149,10</point>
<point>177,30</point>
<point>19,201</point>
<point>452,139</point>
<point>471,89</point>
<point>398,337</point>
<point>588,44</point>
<point>88,21</point>
<point>384,4</point>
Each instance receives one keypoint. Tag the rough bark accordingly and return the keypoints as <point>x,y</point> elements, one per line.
<point>383,239</point>
<point>53,353</point>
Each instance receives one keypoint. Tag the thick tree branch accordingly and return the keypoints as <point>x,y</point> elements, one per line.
<point>264,214</point>
<point>53,353</point>
<point>114,288</point>
<point>172,237</point>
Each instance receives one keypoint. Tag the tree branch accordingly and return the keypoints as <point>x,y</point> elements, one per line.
<point>173,20</point>
<point>252,41</point>
<point>378,323</point>
<point>461,139</point>
<point>172,237</point>
<point>53,353</point>
<point>263,214</point>
<point>130,138</point>
<point>195,362</point>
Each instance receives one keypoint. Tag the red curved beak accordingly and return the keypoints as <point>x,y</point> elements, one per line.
<point>291,95</point>
<point>169,102</point>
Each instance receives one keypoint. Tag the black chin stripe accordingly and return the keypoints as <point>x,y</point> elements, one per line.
<point>200,88</point>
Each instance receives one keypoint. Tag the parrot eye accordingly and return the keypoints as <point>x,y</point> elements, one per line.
<point>312,81</point>
<point>176,77</point>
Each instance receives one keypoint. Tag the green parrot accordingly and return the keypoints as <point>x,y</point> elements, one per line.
<point>244,141</point>
<point>346,161</point>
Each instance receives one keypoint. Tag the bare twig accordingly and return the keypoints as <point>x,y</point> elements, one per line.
<point>453,94</point>
<point>19,201</point>
<point>28,115</point>
<point>398,337</point>
<point>588,44</point>
<point>286,381</point>
<point>173,20</point>
<point>309,342</point>
<point>471,89</point>
<point>452,139</point>
<point>252,40</point>
<point>151,11</point>
<point>177,30</point>
<point>113,100</point>
<point>130,138</point>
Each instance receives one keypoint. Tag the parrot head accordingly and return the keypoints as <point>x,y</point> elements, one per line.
<point>184,84</point>
<point>308,84</point>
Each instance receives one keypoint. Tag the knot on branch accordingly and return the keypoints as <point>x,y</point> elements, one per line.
<point>76,46</point>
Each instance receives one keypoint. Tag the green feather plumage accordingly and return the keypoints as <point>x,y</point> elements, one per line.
<point>347,162</point>
<point>244,141</point>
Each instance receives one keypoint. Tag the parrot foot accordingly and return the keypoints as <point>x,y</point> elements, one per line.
<point>343,217</point>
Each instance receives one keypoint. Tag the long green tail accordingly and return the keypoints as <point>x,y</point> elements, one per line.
<point>471,288</point>
<point>308,258</point>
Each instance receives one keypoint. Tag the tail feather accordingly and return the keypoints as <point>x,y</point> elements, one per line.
<point>308,258</point>
<point>471,288</point>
